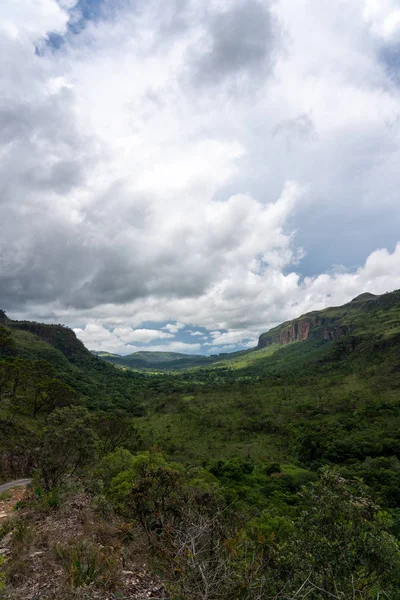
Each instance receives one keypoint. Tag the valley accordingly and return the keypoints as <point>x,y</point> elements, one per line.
<point>315,404</point>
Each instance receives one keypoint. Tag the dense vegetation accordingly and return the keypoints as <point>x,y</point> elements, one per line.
<point>271,473</point>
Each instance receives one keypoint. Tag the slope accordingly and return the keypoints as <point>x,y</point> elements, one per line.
<point>100,384</point>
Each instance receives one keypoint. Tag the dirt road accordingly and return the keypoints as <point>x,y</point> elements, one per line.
<point>12,484</point>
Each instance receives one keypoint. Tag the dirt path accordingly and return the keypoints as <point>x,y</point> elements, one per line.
<point>12,484</point>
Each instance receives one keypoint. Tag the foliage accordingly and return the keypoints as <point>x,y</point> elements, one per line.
<point>185,526</point>
<point>335,544</point>
<point>341,543</point>
<point>116,430</point>
<point>69,443</point>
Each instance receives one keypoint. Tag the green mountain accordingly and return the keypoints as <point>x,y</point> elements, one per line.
<point>365,314</point>
<point>99,384</point>
<point>328,398</point>
<point>161,361</point>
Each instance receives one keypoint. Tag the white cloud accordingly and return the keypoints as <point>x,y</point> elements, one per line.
<point>174,327</point>
<point>197,333</point>
<point>137,187</point>
<point>383,16</point>
<point>122,340</point>
<point>235,338</point>
<point>129,335</point>
<point>29,20</point>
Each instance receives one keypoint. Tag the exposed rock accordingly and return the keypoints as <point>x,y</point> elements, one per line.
<point>6,540</point>
<point>332,323</point>
<point>308,327</point>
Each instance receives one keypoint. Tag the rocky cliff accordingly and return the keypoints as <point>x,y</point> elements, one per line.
<point>308,327</point>
<point>336,322</point>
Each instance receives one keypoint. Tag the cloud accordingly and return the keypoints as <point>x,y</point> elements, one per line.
<point>383,16</point>
<point>129,335</point>
<point>234,338</point>
<point>122,340</point>
<point>239,40</point>
<point>196,333</point>
<point>174,327</point>
<point>191,164</point>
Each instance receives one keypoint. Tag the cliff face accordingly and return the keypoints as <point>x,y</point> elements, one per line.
<point>304,328</point>
<point>360,315</point>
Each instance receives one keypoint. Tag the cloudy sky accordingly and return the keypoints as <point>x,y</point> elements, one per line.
<point>185,174</point>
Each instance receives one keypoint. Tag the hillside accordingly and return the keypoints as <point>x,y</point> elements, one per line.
<point>100,384</point>
<point>365,314</point>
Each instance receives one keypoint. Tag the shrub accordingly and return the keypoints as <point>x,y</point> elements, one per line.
<point>69,444</point>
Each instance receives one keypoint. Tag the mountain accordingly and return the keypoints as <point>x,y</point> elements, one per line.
<point>99,383</point>
<point>318,399</point>
<point>366,313</point>
<point>161,361</point>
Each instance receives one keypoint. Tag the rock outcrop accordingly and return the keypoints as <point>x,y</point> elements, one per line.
<point>336,322</point>
<point>308,327</point>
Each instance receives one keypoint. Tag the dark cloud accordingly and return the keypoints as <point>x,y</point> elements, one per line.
<point>240,41</point>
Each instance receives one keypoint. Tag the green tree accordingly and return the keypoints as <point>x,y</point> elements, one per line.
<point>7,343</point>
<point>116,430</point>
<point>69,444</point>
<point>51,393</point>
<point>342,548</point>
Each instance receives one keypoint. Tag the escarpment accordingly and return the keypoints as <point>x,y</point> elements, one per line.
<point>334,323</point>
<point>305,328</point>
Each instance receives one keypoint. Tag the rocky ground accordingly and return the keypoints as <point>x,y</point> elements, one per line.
<point>68,552</point>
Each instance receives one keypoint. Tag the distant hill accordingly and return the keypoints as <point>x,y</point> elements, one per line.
<point>365,314</point>
<point>161,361</point>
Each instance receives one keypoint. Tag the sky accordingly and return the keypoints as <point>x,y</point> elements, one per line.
<point>183,175</point>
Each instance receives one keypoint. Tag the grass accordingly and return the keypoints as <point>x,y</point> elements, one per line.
<point>86,563</point>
